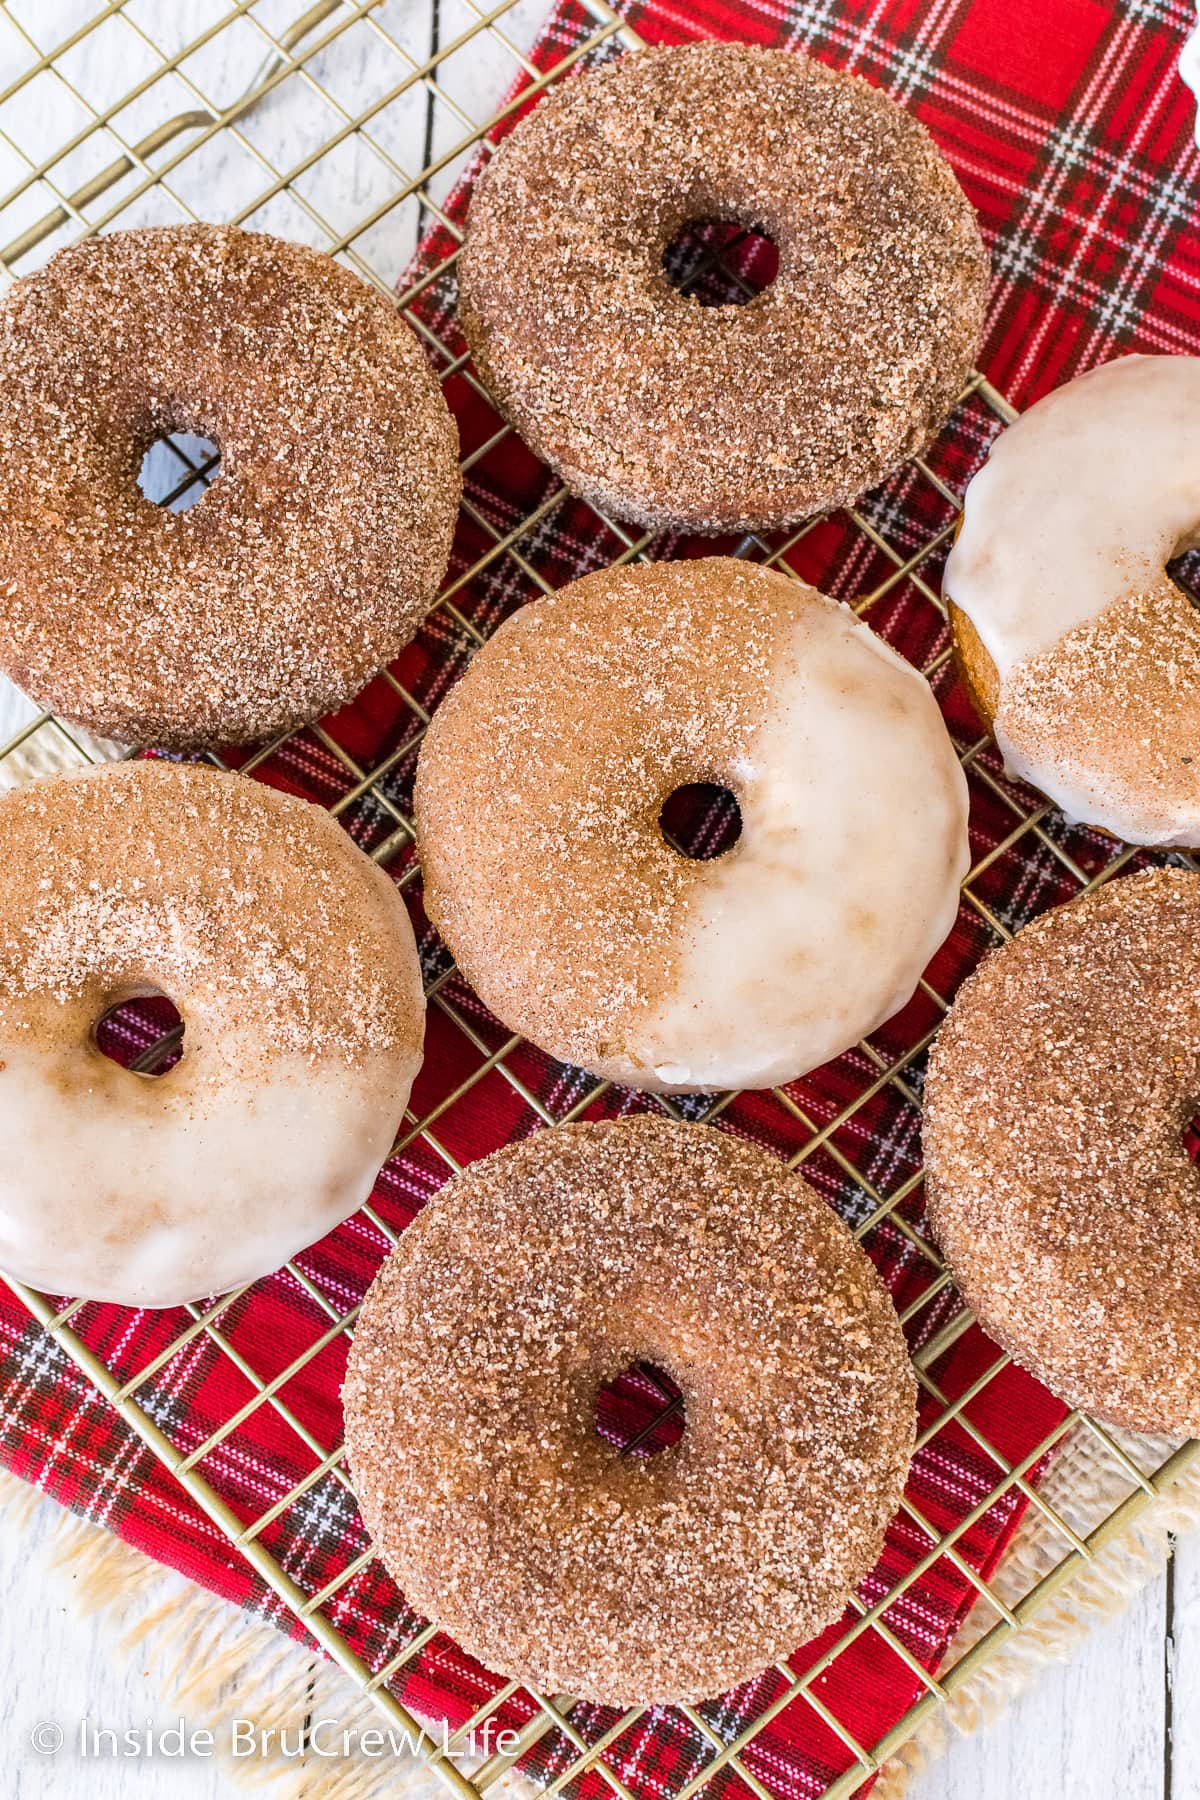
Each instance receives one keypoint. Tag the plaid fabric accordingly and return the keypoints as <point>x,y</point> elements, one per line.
<point>1072,137</point>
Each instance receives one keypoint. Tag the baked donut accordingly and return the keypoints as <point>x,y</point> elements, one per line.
<point>1060,1189</point>
<point>312,558</point>
<point>721,418</point>
<point>291,961</point>
<point>532,1279</point>
<point>538,796</point>
<point>1080,651</point>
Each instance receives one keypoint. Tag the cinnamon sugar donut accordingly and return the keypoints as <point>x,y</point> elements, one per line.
<point>1059,1186</point>
<point>532,1279</point>
<point>312,558</point>
<point>291,960</point>
<point>1081,652</point>
<point>538,795</point>
<point>724,417</point>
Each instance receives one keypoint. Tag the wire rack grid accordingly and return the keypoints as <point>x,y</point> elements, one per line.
<point>145,155</point>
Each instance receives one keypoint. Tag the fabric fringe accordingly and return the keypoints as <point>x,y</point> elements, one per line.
<point>217,1665</point>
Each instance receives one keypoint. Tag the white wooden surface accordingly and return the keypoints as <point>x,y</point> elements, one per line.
<point>1122,1720</point>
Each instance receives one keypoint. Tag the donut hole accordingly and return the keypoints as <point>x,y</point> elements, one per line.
<point>144,1035</point>
<point>1191,1138</point>
<point>178,469</point>
<point>640,1411</point>
<point>1184,571</point>
<point>701,820</point>
<point>720,262</point>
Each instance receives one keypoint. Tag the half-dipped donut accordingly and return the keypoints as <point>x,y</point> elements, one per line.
<point>1081,652</point>
<point>717,418</point>
<point>536,1276</point>
<point>291,961</point>
<point>538,796</point>
<point>313,556</point>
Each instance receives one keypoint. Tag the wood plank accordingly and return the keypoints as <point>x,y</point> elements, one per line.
<point>1184,1664</point>
<point>1090,1729</point>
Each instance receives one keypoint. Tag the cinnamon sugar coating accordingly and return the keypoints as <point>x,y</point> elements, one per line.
<point>535,1277</point>
<point>316,552</point>
<point>184,878</point>
<point>1060,1189</point>
<point>543,774</point>
<point>1113,710</point>
<point>727,417</point>
<point>1108,714</point>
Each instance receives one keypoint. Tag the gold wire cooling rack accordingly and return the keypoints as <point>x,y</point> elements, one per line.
<point>73,163</point>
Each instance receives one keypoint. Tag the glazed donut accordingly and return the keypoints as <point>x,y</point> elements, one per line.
<point>1080,651</point>
<point>532,1279</point>
<point>291,961</point>
<point>721,418</point>
<point>314,555</point>
<point>538,796</point>
<point>1057,1096</point>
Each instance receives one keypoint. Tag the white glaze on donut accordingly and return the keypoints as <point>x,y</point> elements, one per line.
<point>538,798</point>
<point>815,928</point>
<point>1067,530</point>
<point>114,1189</point>
<point>291,960</point>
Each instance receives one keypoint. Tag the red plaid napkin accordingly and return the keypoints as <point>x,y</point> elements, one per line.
<point>1072,136</point>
